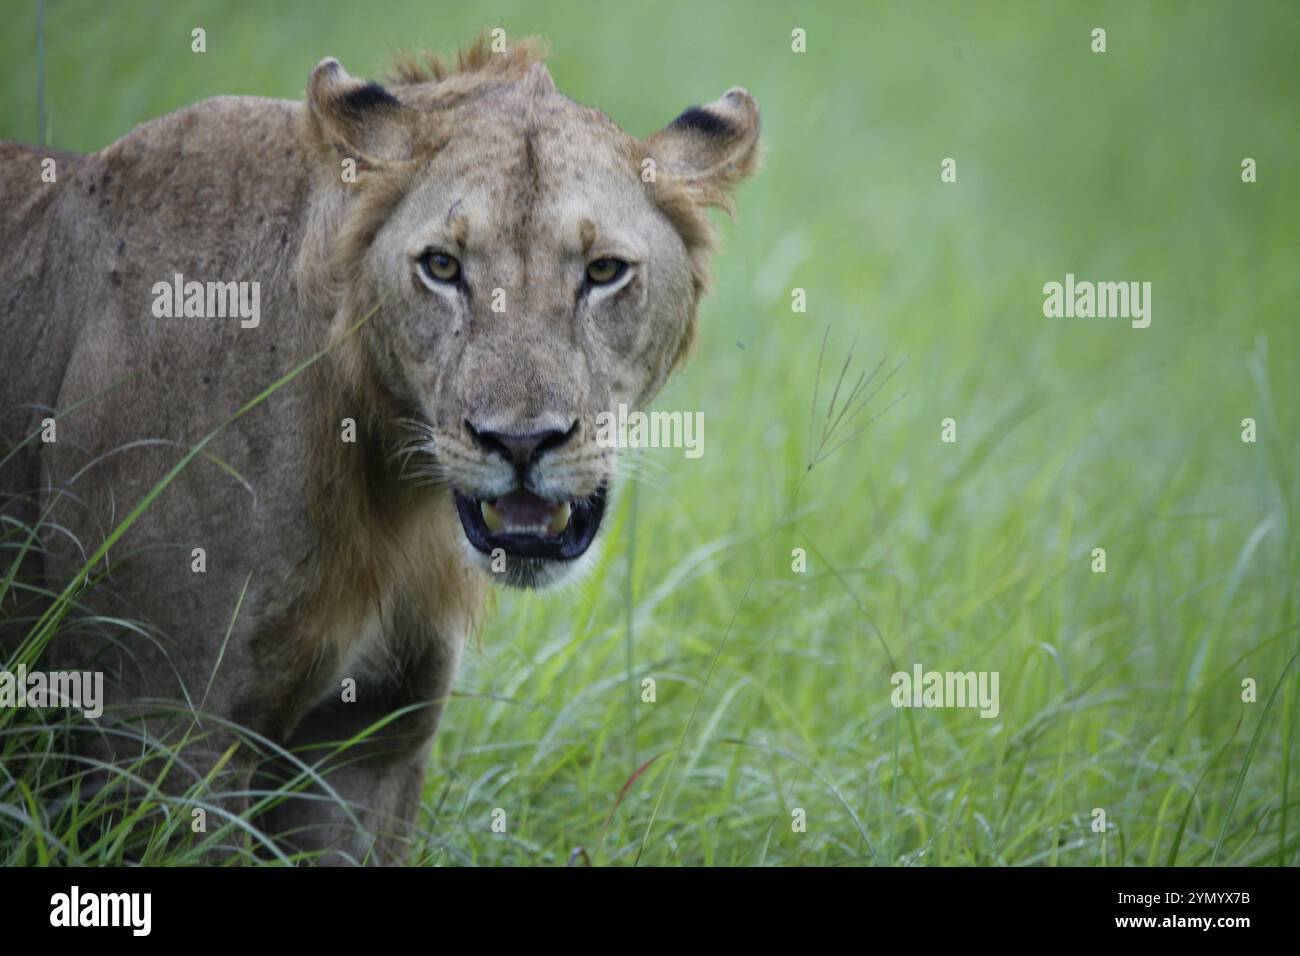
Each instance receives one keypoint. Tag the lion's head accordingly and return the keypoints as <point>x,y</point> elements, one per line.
<point>537,266</point>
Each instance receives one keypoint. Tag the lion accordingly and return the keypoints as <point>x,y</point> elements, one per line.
<point>456,270</point>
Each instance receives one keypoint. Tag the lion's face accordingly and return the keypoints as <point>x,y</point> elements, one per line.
<point>531,280</point>
<point>533,285</point>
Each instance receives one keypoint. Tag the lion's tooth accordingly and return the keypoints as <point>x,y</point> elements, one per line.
<point>560,520</point>
<point>491,517</point>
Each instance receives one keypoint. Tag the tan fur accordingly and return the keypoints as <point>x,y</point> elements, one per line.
<point>475,63</point>
<point>350,559</point>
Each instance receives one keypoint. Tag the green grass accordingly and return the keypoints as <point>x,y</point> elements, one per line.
<point>1119,691</point>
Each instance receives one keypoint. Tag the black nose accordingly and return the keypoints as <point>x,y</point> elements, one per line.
<point>521,450</point>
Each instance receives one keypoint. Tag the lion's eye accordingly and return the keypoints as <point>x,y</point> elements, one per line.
<point>440,267</point>
<point>605,271</point>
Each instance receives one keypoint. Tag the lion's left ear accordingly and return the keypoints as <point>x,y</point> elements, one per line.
<point>357,118</point>
<point>708,149</point>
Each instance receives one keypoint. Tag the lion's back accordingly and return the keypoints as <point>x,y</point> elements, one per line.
<point>215,191</point>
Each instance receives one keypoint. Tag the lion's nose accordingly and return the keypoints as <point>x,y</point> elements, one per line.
<point>520,449</point>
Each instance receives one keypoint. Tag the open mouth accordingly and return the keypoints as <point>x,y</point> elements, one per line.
<point>524,525</point>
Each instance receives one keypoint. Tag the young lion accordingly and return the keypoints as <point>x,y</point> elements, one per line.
<point>478,265</point>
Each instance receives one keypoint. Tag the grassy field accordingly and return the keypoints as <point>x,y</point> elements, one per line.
<point>1119,691</point>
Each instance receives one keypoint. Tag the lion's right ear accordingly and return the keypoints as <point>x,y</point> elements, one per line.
<point>357,118</point>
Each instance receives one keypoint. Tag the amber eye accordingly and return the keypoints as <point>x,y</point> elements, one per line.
<point>440,267</point>
<point>605,271</point>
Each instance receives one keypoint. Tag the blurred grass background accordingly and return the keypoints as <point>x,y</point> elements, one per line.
<point>1119,691</point>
